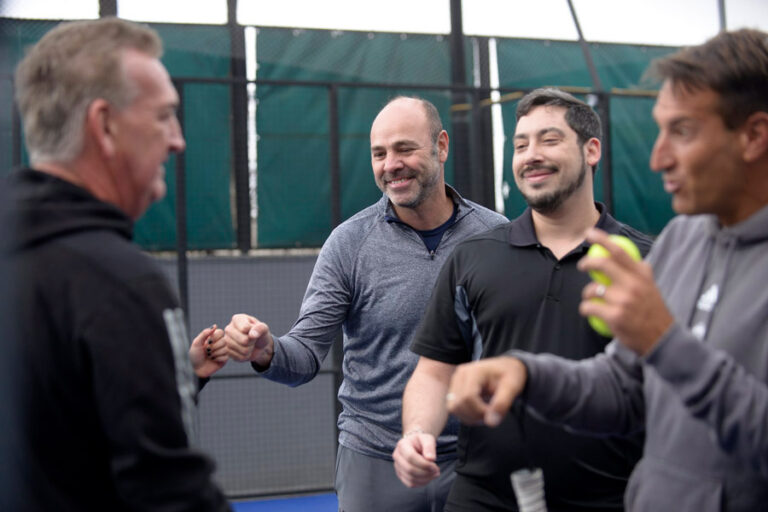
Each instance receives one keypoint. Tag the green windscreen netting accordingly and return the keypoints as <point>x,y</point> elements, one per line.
<point>190,51</point>
<point>293,198</point>
<point>638,196</point>
<point>294,193</point>
<point>15,37</point>
<point>197,52</point>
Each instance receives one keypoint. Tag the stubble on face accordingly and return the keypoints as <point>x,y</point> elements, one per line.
<point>426,181</point>
<point>402,149</point>
<point>548,202</point>
<point>699,156</point>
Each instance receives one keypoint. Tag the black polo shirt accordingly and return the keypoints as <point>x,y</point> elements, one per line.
<point>503,290</point>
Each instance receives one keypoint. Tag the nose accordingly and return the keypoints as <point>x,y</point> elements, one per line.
<point>527,156</point>
<point>392,162</point>
<point>661,156</point>
<point>176,142</point>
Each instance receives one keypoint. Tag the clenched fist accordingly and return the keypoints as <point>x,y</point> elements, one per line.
<point>249,339</point>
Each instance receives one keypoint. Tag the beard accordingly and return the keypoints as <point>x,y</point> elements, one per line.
<point>427,181</point>
<point>426,188</point>
<point>551,201</point>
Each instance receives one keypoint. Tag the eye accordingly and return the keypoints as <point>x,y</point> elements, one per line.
<point>550,141</point>
<point>166,114</point>
<point>520,147</point>
<point>683,130</point>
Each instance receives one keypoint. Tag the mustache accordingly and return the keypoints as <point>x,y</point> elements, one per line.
<point>538,167</point>
<point>387,177</point>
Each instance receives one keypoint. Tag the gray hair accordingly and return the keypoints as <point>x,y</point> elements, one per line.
<point>70,67</point>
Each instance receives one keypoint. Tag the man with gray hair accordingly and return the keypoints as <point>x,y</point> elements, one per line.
<point>103,387</point>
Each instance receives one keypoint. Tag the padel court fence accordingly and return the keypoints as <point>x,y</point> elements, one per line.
<point>274,163</point>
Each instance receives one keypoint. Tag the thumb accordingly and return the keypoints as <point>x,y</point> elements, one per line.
<point>258,330</point>
<point>202,336</point>
<point>509,386</point>
<point>428,447</point>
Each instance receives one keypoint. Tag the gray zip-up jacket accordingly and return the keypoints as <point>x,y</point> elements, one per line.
<point>373,278</point>
<point>702,393</point>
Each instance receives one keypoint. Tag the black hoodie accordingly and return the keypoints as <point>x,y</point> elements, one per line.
<point>98,404</point>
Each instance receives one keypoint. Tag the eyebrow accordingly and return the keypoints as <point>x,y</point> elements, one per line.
<point>542,132</point>
<point>398,144</point>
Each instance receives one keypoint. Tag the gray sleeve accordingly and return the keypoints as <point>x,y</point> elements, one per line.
<point>602,395</point>
<point>717,390</point>
<point>300,353</point>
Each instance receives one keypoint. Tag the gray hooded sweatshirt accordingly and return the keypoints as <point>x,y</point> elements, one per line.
<point>702,392</point>
<point>373,279</point>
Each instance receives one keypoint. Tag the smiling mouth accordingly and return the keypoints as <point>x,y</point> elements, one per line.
<point>399,181</point>
<point>671,187</point>
<point>537,173</point>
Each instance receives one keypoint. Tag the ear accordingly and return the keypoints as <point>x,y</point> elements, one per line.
<point>754,137</point>
<point>592,151</point>
<point>100,127</point>
<point>442,146</point>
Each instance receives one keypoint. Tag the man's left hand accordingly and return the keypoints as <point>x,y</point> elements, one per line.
<point>632,305</point>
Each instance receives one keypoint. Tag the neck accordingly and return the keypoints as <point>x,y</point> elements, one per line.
<point>83,173</point>
<point>431,213</point>
<point>754,196</point>
<point>564,229</point>
<point>62,171</point>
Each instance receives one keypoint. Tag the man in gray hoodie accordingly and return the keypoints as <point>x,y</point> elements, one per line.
<point>373,278</point>
<point>689,362</point>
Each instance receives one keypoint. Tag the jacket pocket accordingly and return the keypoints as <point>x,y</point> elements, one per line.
<point>658,486</point>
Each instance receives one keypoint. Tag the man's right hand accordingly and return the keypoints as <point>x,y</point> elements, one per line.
<point>482,392</point>
<point>249,339</point>
<point>415,456</point>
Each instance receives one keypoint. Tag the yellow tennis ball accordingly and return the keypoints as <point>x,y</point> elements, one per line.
<point>598,251</point>
<point>599,325</point>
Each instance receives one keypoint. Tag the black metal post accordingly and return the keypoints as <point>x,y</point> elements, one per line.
<point>239,104</point>
<point>15,133</point>
<point>107,8</point>
<point>721,10</point>
<point>482,130</point>
<point>333,150</point>
<point>462,164</point>
<point>181,216</point>
<point>585,50</point>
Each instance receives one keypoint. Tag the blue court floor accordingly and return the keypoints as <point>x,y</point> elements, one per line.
<point>314,503</point>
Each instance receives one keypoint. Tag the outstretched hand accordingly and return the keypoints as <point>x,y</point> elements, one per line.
<point>483,391</point>
<point>208,352</point>
<point>249,339</point>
